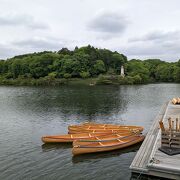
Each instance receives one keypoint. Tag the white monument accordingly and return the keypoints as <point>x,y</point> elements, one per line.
<point>122,71</point>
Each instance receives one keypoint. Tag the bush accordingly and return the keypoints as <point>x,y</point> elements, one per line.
<point>53,74</point>
<point>84,74</point>
<point>104,80</point>
<point>137,79</point>
<point>111,71</point>
<point>121,80</point>
<point>8,75</point>
<point>67,75</point>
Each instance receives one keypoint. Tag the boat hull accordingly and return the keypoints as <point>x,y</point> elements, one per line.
<point>94,148</point>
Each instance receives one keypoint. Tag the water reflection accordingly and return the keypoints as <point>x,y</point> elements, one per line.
<point>135,176</point>
<point>89,157</point>
<point>87,102</point>
<point>102,155</point>
<point>55,146</point>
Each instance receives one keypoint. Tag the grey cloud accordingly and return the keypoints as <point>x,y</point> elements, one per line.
<point>108,23</point>
<point>144,50</point>
<point>147,50</point>
<point>40,43</point>
<point>30,45</point>
<point>156,44</point>
<point>158,36</point>
<point>7,51</point>
<point>23,20</point>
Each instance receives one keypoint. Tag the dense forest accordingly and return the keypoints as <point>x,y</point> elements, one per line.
<point>86,62</point>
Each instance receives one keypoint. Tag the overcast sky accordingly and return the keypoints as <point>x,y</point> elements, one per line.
<point>139,29</point>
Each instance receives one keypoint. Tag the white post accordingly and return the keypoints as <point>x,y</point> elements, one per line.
<point>122,71</point>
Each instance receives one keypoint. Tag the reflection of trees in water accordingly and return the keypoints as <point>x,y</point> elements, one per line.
<point>82,100</point>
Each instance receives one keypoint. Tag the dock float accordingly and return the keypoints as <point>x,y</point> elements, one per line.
<point>149,160</point>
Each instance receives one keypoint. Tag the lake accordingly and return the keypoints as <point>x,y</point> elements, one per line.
<point>27,113</point>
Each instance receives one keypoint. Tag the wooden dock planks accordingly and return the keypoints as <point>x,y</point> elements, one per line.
<point>140,161</point>
<point>167,164</point>
<point>149,160</point>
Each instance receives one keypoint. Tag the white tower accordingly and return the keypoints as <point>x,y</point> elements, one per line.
<point>122,71</point>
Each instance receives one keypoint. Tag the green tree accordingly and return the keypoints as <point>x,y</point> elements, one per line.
<point>137,67</point>
<point>177,72</point>
<point>152,65</point>
<point>99,67</point>
<point>165,73</point>
<point>2,66</point>
<point>84,74</point>
<point>117,61</point>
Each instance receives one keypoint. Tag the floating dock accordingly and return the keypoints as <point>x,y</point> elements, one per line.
<point>149,160</point>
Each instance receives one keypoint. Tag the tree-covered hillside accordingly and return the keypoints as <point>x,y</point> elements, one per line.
<point>86,62</point>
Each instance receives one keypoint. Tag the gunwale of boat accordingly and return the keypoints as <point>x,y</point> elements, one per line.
<point>70,137</point>
<point>102,125</point>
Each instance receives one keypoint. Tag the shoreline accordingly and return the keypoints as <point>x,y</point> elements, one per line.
<point>71,81</point>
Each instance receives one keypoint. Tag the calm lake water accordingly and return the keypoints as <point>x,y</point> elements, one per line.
<point>27,113</point>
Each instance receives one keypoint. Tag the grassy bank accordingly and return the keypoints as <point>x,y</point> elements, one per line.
<point>33,82</point>
<point>49,81</point>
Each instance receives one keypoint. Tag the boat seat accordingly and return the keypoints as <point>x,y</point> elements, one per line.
<point>118,135</point>
<point>101,144</point>
<point>120,140</point>
<point>98,139</point>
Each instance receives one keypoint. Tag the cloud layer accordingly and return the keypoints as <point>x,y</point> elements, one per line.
<point>108,23</point>
<point>40,43</point>
<point>139,29</point>
<point>161,44</point>
<point>158,36</point>
<point>22,20</point>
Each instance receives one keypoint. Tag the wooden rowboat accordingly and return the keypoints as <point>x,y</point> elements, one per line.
<point>104,138</point>
<point>93,129</point>
<point>108,131</point>
<point>102,126</point>
<point>70,137</point>
<point>106,146</point>
<point>98,127</point>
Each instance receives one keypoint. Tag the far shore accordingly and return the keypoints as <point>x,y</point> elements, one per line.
<point>62,81</point>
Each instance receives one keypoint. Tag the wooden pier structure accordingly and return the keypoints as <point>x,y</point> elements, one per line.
<point>149,160</point>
